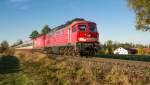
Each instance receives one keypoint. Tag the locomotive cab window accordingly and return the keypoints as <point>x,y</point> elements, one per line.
<point>92,28</point>
<point>82,28</point>
<point>74,30</point>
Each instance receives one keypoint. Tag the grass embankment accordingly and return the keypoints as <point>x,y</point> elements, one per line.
<point>37,69</point>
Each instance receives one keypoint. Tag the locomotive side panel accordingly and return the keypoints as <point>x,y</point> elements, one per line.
<point>58,38</point>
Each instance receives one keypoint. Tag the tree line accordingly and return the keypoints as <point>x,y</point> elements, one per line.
<point>46,29</point>
<point>109,46</point>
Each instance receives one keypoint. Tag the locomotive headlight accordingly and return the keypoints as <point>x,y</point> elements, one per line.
<point>89,35</point>
<point>82,39</point>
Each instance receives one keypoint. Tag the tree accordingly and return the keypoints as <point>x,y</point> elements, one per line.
<point>34,34</point>
<point>18,42</point>
<point>142,10</point>
<point>45,30</point>
<point>109,47</point>
<point>140,50</point>
<point>4,46</point>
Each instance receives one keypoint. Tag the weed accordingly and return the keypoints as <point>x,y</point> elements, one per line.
<point>10,52</point>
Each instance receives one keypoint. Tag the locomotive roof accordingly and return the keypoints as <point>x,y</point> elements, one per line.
<point>67,24</point>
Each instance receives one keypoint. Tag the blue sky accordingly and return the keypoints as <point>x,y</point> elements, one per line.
<point>115,21</point>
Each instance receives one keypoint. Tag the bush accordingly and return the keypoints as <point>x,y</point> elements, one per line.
<point>102,51</point>
<point>4,46</point>
<point>9,64</point>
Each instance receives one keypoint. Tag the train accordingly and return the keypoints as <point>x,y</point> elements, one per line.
<point>26,45</point>
<point>77,37</point>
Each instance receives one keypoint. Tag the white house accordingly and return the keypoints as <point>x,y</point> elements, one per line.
<point>121,50</point>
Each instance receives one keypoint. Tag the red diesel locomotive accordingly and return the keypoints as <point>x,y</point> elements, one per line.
<point>78,37</point>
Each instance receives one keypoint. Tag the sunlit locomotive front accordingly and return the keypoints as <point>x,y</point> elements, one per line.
<point>87,38</point>
<point>78,37</point>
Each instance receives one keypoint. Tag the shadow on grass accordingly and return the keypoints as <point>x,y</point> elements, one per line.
<point>9,64</point>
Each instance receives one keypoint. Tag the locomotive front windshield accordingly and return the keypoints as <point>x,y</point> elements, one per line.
<point>92,28</point>
<point>82,28</point>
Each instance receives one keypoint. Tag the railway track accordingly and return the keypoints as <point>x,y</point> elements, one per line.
<point>122,62</point>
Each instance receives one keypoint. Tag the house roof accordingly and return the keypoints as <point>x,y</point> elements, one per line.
<point>146,50</point>
<point>121,48</point>
<point>131,49</point>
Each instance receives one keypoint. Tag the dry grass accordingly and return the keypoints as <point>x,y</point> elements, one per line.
<point>80,71</point>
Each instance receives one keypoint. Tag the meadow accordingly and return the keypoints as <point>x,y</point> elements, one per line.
<point>26,68</point>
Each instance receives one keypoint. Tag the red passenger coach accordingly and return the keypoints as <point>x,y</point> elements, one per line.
<point>77,37</point>
<point>39,43</point>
